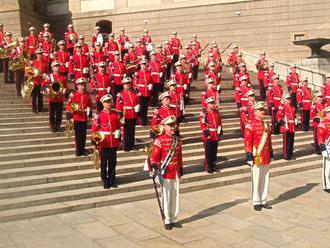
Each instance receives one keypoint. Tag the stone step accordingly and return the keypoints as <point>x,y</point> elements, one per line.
<point>126,192</point>
<point>191,156</point>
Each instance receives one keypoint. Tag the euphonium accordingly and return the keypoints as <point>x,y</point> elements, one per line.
<point>74,107</point>
<point>97,137</point>
<point>5,52</point>
<point>28,87</point>
<point>19,62</point>
<point>158,130</point>
<point>72,38</point>
<point>69,129</point>
<point>55,88</point>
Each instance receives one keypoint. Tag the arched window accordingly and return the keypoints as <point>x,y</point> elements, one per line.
<point>105,26</point>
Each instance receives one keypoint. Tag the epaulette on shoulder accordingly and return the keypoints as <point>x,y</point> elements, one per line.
<point>248,126</point>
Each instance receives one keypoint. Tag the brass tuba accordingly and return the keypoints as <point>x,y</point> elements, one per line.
<point>68,132</point>
<point>73,38</point>
<point>6,51</point>
<point>97,137</point>
<point>20,62</point>
<point>30,73</point>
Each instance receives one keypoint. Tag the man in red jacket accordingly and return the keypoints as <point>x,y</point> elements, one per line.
<point>70,38</point>
<point>39,64</point>
<point>262,67</point>
<point>166,158</point>
<point>286,116</point>
<point>304,98</point>
<point>79,64</point>
<point>32,41</point>
<point>128,105</point>
<point>156,74</point>
<point>82,99</point>
<point>175,45</point>
<point>211,126</point>
<point>63,57</point>
<point>259,151</point>
<point>55,98</point>
<point>326,90</point>
<point>292,82</point>
<point>274,97</point>
<point>107,124</point>
<point>317,115</point>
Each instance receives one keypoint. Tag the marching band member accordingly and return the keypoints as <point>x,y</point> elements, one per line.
<point>48,48</point>
<point>292,82</point>
<point>7,75</point>
<point>143,85</point>
<point>146,38</point>
<point>2,37</point>
<point>323,135</point>
<point>262,67</point>
<point>210,92</point>
<point>19,74</point>
<point>162,60</point>
<point>195,52</point>
<point>211,126</point>
<point>181,79</point>
<point>211,73</point>
<point>167,157</point>
<point>96,57</point>
<point>233,60</point>
<point>63,57</point>
<point>268,83</point>
<point>71,38</point>
<point>246,112</point>
<point>122,39</point>
<point>117,71</point>
<point>156,74</point>
<point>46,27</point>
<point>304,98</point>
<point>140,49</point>
<point>197,43</point>
<point>131,60</point>
<point>95,35</point>
<point>275,96</point>
<point>107,124</point>
<point>101,85</point>
<point>317,115</point>
<point>82,99</point>
<point>175,45</point>
<point>286,116</point>
<point>326,90</point>
<point>163,111</point>
<point>111,47</point>
<point>55,99</point>
<point>169,56</point>
<point>32,41</point>
<point>128,105</point>
<point>84,46</point>
<point>176,101</point>
<point>79,64</point>
<point>259,151</point>
<point>40,64</point>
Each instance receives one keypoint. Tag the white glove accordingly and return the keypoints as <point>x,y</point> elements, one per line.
<point>137,108</point>
<point>150,86</point>
<point>117,134</point>
<point>85,70</point>
<point>190,75</point>
<point>218,87</point>
<point>296,121</point>
<point>67,64</point>
<point>325,154</point>
<point>108,89</point>
<point>219,74</point>
<point>219,130</point>
<point>250,163</point>
<point>88,110</point>
<point>185,87</point>
<point>160,74</point>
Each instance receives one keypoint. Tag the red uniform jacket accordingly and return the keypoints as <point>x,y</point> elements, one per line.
<point>160,149</point>
<point>142,83</point>
<point>48,48</point>
<point>241,95</point>
<point>232,60</point>
<point>69,43</point>
<point>31,43</point>
<point>160,114</point>
<point>214,76</point>
<point>41,35</point>
<point>292,81</point>
<point>304,97</point>
<point>168,53</point>
<point>175,45</point>
<point>211,124</point>
<point>237,76</point>
<point>111,48</point>
<point>145,39</point>
<point>210,93</point>
<point>63,57</point>
<point>216,54</point>
<point>326,93</point>
<point>101,84</point>
<point>43,68</point>
<point>161,59</point>
<point>117,70</point>
<point>317,113</point>
<point>154,67</point>
<point>84,101</point>
<point>121,40</point>
<point>268,79</point>
<point>252,137</point>
<point>176,102</point>
<point>323,131</point>
<point>287,114</point>
<point>95,58</point>
<point>77,64</point>
<point>246,113</point>
<point>182,82</point>
<point>128,104</point>
<point>275,95</point>
<point>140,50</point>
<point>107,122</point>
<point>55,78</point>
<point>130,60</point>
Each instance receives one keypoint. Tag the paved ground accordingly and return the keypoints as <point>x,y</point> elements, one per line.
<point>220,217</point>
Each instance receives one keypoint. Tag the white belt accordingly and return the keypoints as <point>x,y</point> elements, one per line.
<point>277,98</point>
<point>31,46</point>
<point>117,75</point>
<point>172,105</point>
<point>294,84</point>
<point>107,133</point>
<point>45,54</point>
<point>78,69</point>
<point>179,85</point>
<point>155,73</point>
<point>290,121</point>
<point>244,99</point>
<point>327,96</point>
<point>128,107</point>
<point>112,52</point>
<point>142,85</point>
<point>212,129</point>
<point>306,100</point>
<point>101,88</point>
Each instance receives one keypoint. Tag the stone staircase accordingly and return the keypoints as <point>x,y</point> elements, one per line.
<point>39,174</point>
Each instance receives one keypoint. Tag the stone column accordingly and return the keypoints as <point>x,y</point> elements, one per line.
<point>167,1</point>
<point>75,6</point>
<point>119,4</point>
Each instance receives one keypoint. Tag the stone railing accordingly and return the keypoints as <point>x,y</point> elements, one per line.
<point>315,77</point>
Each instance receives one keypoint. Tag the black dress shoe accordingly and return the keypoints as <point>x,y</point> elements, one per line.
<point>113,185</point>
<point>168,226</point>
<point>106,186</point>
<point>176,225</point>
<point>266,206</point>
<point>257,207</point>
<point>327,190</point>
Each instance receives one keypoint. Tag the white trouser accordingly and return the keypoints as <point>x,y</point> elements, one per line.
<point>171,200</point>
<point>260,179</point>
<point>326,173</point>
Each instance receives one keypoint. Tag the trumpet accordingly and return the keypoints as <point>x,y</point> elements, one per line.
<point>97,137</point>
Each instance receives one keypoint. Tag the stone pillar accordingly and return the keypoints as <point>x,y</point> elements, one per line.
<point>167,1</point>
<point>75,6</point>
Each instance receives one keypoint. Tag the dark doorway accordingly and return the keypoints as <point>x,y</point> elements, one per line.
<point>105,26</point>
